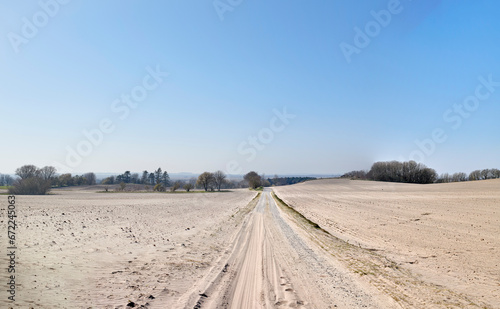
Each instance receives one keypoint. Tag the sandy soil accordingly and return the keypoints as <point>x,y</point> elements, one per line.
<point>81,249</point>
<point>441,242</point>
<point>273,264</point>
<point>377,245</point>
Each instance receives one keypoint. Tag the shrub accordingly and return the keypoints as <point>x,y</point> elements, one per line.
<point>159,187</point>
<point>31,186</point>
<point>188,187</point>
<point>175,186</point>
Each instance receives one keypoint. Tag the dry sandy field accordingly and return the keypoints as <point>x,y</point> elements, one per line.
<point>443,240</point>
<point>82,249</point>
<point>321,244</point>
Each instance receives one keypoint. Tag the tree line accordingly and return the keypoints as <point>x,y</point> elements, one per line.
<point>156,177</point>
<point>413,172</point>
<point>284,181</point>
<point>6,180</point>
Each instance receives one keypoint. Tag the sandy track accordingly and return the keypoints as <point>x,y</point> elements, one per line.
<point>273,264</point>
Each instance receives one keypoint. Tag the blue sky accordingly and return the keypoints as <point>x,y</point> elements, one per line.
<point>233,66</point>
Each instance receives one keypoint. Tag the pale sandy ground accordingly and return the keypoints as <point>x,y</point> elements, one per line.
<point>81,249</point>
<point>382,246</point>
<point>443,238</point>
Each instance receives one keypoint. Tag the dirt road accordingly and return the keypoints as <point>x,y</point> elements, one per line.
<point>272,264</point>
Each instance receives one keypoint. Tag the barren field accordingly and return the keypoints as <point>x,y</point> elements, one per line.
<point>441,242</point>
<point>324,244</point>
<point>81,249</point>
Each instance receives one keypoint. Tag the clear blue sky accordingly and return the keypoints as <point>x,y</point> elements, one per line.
<point>65,67</point>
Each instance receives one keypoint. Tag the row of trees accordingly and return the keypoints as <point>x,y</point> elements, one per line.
<point>284,181</point>
<point>412,172</point>
<point>6,180</point>
<point>153,179</point>
<point>394,171</point>
<point>211,181</point>
<point>474,175</point>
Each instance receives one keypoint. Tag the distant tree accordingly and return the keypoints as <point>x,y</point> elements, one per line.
<point>475,175</point>
<point>219,179</point>
<point>175,186</point>
<point>457,177</point>
<point>158,175</point>
<point>90,178</point>
<point>486,174</point>
<point>78,180</point>
<point>355,175</point>
<point>6,180</point>
<point>48,172</point>
<point>151,178</point>
<point>66,180</point>
<point>134,178</point>
<point>205,180</point>
<point>144,178</point>
<point>282,181</point>
<point>126,177</point>
<point>165,179</point>
<point>108,180</point>
<point>27,171</point>
<point>495,172</point>
<point>253,179</point>
<point>444,178</point>
<point>188,186</point>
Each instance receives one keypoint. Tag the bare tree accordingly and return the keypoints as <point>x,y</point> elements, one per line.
<point>27,171</point>
<point>47,172</point>
<point>90,179</point>
<point>219,179</point>
<point>205,180</point>
<point>30,182</point>
<point>175,186</point>
<point>475,175</point>
<point>457,177</point>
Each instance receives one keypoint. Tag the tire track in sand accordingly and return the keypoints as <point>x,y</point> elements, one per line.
<point>270,266</point>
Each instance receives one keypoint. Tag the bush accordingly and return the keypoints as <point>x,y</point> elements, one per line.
<point>121,187</point>
<point>159,187</point>
<point>176,186</point>
<point>31,186</point>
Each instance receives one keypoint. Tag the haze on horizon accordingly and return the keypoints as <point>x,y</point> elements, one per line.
<point>286,87</point>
